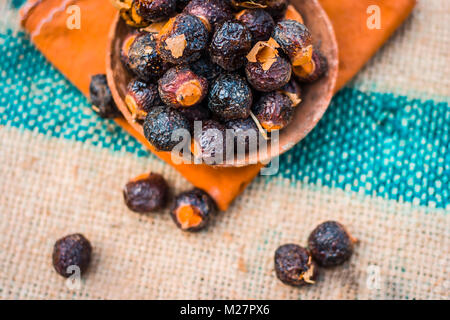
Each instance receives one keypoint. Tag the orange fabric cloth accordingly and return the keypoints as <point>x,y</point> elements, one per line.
<point>78,54</point>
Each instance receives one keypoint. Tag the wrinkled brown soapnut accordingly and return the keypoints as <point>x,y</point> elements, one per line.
<point>266,70</point>
<point>146,193</point>
<point>210,143</point>
<point>274,111</point>
<point>230,44</point>
<point>294,265</point>
<point>141,97</point>
<point>258,21</point>
<point>295,40</point>
<point>70,252</point>
<point>182,39</point>
<point>209,11</point>
<point>141,58</point>
<point>155,10</point>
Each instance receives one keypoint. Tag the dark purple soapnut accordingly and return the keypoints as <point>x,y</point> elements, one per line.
<point>210,11</point>
<point>246,135</point>
<point>259,22</point>
<point>294,265</point>
<point>271,79</point>
<point>210,142</point>
<point>230,44</point>
<point>274,111</point>
<point>330,244</point>
<point>70,252</point>
<point>155,10</point>
<point>147,193</point>
<point>101,97</point>
<point>294,39</point>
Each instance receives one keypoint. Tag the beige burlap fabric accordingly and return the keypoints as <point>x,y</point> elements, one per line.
<point>52,187</point>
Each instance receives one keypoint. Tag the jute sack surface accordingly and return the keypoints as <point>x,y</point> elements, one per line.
<point>54,185</point>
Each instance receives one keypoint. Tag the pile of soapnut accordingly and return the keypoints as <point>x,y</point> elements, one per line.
<point>231,64</point>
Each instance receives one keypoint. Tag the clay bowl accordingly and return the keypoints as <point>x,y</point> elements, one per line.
<point>316,96</point>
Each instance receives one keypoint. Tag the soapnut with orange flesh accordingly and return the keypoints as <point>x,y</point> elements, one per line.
<point>192,210</point>
<point>295,40</point>
<point>180,87</point>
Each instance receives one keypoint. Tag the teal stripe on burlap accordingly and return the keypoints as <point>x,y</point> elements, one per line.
<point>382,144</point>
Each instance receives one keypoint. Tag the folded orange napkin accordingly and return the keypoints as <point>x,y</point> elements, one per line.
<point>80,53</point>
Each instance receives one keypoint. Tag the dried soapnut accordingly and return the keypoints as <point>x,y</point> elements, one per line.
<point>209,11</point>
<point>209,143</point>
<point>159,125</point>
<point>295,40</point>
<point>192,210</point>
<point>182,39</point>
<point>274,111</point>
<point>230,97</point>
<point>266,70</point>
<point>143,59</point>
<point>141,97</point>
<point>246,135</point>
<point>101,97</point>
<point>180,87</point>
<point>70,252</point>
<point>313,70</point>
<point>155,10</point>
<point>330,244</point>
<point>146,193</point>
<point>259,22</point>
<point>294,266</point>
<point>230,44</point>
